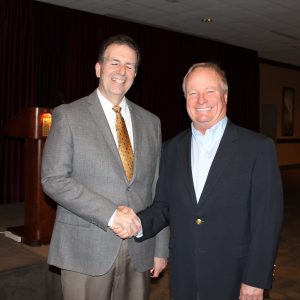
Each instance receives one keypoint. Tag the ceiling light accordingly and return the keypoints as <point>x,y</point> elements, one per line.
<point>207,20</point>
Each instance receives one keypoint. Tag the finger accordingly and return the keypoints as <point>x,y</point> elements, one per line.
<point>118,230</point>
<point>153,273</point>
<point>135,229</point>
<point>137,222</point>
<point>122,234</point>
<point>124,209</point>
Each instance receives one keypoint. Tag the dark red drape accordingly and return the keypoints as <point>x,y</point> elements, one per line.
<point>16,88</point>
<point>48,53</point>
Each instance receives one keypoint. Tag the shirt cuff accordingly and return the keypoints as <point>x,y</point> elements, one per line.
<point>111,220</point>
<point>140,233</point>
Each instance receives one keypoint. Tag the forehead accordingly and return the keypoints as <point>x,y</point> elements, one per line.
<point>118,51</point>
<point>203,75</point>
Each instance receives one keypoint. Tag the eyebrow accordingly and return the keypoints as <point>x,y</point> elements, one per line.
<point>118,61</point>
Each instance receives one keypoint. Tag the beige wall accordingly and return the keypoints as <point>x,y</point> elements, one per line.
<point>272,81</point>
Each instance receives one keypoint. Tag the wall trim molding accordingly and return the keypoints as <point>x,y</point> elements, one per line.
<point>290,167</point>
<point>278,64</point>
<point>288,141</point>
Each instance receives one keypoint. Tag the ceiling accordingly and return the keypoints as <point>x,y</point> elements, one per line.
<point>271,27</point>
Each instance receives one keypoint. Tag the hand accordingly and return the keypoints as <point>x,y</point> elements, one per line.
<point>120,232</point>
<point>158,265</point>
<point>125,224</point>
<point>248,292</point>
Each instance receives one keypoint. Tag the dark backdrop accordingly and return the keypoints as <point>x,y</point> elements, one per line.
<point>48,53</point>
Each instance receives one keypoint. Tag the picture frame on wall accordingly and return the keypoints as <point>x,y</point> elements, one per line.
<point>288,102</point>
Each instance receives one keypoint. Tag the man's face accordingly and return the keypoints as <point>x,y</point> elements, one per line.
<point>205,99</point>
<point>117,72</point>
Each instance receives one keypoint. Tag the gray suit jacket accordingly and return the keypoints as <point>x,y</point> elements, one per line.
<point>82,171</point>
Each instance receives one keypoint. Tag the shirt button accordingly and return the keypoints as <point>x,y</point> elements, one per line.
<point>198,221</point>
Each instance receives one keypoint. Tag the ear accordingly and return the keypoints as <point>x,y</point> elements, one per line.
<point>98,69</point>
<point>226,97</point>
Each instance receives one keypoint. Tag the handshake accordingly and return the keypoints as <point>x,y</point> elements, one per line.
<point>126,224</point>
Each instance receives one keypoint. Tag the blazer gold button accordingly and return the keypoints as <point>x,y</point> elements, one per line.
<point>198,221</point>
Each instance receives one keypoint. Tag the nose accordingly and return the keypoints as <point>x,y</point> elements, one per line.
<point>201,98</point>
<point>122,69</point>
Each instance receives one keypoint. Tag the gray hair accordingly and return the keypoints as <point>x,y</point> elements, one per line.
<point>206,65</point>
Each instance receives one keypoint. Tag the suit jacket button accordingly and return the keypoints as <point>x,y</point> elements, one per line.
<point>198,221</point>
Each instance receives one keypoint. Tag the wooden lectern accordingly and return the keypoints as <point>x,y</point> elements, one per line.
<point>32,125</point>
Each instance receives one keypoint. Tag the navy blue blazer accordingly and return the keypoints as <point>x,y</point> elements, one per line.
<point>231,235</point>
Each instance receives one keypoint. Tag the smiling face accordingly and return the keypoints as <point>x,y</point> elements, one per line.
<point>116,72</point>
<point>206,98</point>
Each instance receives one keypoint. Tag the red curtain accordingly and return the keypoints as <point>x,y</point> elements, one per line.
<point>16,87</point>
<point>48,53</point>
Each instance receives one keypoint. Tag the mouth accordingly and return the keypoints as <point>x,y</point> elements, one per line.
<point>204,109</point>
<point>118,80</point>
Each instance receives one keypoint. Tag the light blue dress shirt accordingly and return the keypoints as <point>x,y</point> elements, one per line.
<point>203,151</point>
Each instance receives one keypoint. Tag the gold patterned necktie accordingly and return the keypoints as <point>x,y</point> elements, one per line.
<point>125,149</point>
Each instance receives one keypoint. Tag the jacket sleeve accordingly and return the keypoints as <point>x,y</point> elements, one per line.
<point>162,238</point>
<point>155,218</point>
<point>266,217</point>
<point>57,175</point>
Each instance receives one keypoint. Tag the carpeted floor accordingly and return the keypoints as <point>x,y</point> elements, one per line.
<point>24,274</point>
<point>287,279</point>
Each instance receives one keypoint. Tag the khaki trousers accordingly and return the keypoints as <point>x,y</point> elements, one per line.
<point>121,282</point>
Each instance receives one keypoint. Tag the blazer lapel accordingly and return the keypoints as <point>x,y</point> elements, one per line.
<point>99,118</point>
<point>225,152</point>
<point>184,159</point>
<point>136,122</point>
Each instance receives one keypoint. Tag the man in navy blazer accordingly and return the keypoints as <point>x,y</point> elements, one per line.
<point>220,191</point>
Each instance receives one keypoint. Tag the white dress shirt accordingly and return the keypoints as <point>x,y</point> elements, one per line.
<point>203,151</point>
<point>111,116</point>
<point>111,119</point>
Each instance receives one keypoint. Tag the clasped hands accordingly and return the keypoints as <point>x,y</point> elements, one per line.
<point>126,224</point>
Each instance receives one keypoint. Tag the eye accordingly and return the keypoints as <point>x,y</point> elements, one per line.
<point>129,67</point>
<point>210,92</point>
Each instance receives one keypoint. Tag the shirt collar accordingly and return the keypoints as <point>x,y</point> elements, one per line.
<point>107,105</point>
<point>212,133</point>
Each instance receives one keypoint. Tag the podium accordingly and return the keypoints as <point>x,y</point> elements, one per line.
<point>32,125</point>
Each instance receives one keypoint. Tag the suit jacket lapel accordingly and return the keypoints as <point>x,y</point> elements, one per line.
<point>99,117</point>
<point>136,121</point>
<point>184,159</point>
<point>225,152</point>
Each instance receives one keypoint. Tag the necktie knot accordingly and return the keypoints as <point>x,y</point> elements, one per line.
<point>117,109</point>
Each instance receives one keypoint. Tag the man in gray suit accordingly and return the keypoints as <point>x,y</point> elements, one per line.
<point>83,172</point>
